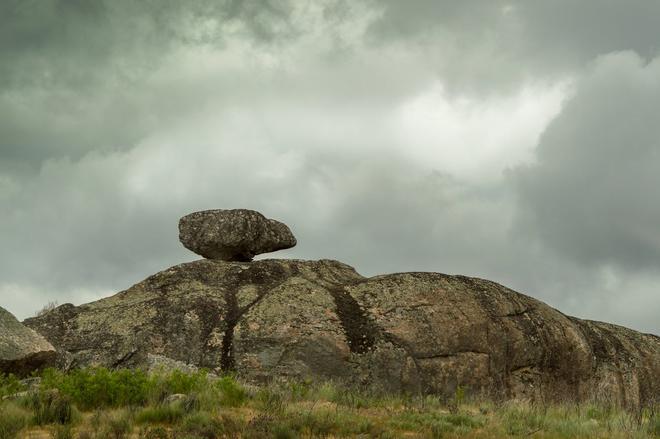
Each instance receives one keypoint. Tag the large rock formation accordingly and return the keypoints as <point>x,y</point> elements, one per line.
<point>233,235</point>
<point>418,332</point>
<point>22,350</point>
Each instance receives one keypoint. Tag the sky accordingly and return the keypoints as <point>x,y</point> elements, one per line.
<point>517,141</point>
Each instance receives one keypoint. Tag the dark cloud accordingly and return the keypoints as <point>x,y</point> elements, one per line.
<point>490,46</point>
<point>75,75</point>
<point>378,130</point>
<point>590,196</point>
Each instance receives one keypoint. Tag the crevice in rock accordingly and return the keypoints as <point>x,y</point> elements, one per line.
<point>359,330</point>
<point>127,356</point>
<point>227,362</point>
<point>448,355</point>
<point>267,277</point>
<point>516,313</point>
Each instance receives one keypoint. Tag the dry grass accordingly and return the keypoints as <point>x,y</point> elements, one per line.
<point>225,408</point>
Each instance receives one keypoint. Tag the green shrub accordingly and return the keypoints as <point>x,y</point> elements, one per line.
<point>51,407</point>
<point>300,389</point>
<point>12,420</point>
<point>161,414</point>
<point>323,422</point>
<point>270,401</point>
<point>232,394</point>
<point>118,426</point>
<point>9,385</point>
<point>520,420</point>
<point>100,387</point>
<point>161,384</point>
<point>462,420</point>
<point>326,392</point>
<point>351,399</point>
<point>654,426</point>
<point>201,425</point>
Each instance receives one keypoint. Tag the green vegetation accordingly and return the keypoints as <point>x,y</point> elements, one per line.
<point>98,403</point>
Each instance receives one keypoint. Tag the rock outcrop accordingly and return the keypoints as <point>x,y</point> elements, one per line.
<point>233,235</point>
<point>415,332</point>
<point>22,350</point>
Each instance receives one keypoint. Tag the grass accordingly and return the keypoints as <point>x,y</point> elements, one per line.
<point>98,403</point>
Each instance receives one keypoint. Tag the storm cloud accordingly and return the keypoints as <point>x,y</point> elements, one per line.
<point>515,141</point>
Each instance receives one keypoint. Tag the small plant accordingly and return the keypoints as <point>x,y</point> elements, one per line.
<point>47,308</point>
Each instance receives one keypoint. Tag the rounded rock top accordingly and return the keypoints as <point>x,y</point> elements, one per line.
<point>233,234</point>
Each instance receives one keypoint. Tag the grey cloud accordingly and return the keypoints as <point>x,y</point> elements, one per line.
<point>73,73</point>
<point>591,195</point>
<point>119,117</point>
<point>485,46</point>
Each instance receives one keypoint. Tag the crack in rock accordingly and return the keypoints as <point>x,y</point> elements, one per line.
<point>359,330</point>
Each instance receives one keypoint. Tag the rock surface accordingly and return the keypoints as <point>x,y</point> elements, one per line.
<point>22,350</point>
<point>415,332</point>
<point>233,235</point>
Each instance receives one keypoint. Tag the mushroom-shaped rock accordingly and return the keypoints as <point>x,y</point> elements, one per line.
<point>22,350</point>
<point>233,235</point>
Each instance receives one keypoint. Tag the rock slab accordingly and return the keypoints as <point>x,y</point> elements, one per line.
<point>233,235</point>
<point>404,332</point>
<point>22,350</point>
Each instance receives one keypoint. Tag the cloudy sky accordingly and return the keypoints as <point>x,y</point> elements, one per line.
<point>513,140</point>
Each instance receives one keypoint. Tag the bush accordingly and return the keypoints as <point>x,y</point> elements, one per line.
<point>47,308</point>
<point>9,385</point>
<point>161,414</point>
<point>270,401</point>
<point>232,394</point>
<point>654,426</point>
<point>161,384</point>
<point>201,425</point>
<point>50,407</point>
<point>12,420</point>
<point>96,388</point>
<point>118,426</point>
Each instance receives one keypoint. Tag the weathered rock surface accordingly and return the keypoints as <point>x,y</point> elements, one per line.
<point>233,235</point>
<point>22,350</point>
<point>417,332</point>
